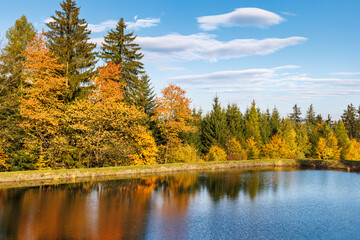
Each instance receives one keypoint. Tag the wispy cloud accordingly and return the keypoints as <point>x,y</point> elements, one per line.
<point>138,24</point>
<point>169,68</point>
<point>270,82</point>
<point>346,73</point>
<point>288,13</point>
<point>240,17</point>
<point>203,46</point>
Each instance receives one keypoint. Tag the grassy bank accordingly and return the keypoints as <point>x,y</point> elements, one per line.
<point>26,178</point>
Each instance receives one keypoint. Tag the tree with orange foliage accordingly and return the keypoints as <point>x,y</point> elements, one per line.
<point>172,114</point>
<point>42,107</point>
<point>106,130</point>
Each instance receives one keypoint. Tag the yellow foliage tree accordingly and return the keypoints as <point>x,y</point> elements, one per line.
<point>216,154</point>
<point>42,107</point>
<point>252,150</point>
<point>110,131</point>
<point>277,148</point>
<point>234,150</point>
<point>353,152</point>
<point>327,148</point>
<point>3,157</point>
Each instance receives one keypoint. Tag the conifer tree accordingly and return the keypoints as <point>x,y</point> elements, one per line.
<point>214,127</point>
<point>310,116</point>
<point>350,121</point>
<point>119,47</point>
<point>295,115</point>
<point>252,128</point>
<point>68,39</point>
<point>275,121</point>
<point>235,121</point>
<point>265,127</point>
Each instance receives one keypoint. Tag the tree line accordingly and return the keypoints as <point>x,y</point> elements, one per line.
<point>59,109</point>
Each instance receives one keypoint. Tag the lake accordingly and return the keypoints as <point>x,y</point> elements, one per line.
<point>301,204</point>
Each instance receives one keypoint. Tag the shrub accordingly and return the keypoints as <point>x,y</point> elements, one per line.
<point>182,153</point>
<point>216,154</point>
<point>234,150</point>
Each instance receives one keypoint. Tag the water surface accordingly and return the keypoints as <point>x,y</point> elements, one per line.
<point>218,205</point>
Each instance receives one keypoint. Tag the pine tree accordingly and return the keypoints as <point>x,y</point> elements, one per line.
<point>295,115</point>
<point>68,39</point>
<point>145,97</point>
<point>310,116</point>
<point>350,121</point>
<point>252,128</point>
<point>275,121</point>
<point>119,47</point>
<point>214,127</point>
<point>235,121</point>
<point>265,127</point>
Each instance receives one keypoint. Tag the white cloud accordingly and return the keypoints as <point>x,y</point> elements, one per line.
<point>270,82</point>
<point>143,23</point>
<point>241,76</point>
<point>206,47</point>
<point>346,73</point>
<point>48,20</point>
<point>138,24</point>
<point>102,26</point>
<point>240,17</point>
<point>168,68</point>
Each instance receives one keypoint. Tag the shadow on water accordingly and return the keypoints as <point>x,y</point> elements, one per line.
<point>119,209</point>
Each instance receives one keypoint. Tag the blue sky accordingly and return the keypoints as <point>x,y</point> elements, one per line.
<point>279,53</point>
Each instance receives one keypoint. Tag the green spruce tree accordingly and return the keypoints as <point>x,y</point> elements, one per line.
<point>351,122</point>
<point>119,47</point>
<point>68,39</point>
<point>252,124</point>
<point>295,115</point>
<point>275,121</point>
<point>214,127</point>
<point>235,122</point>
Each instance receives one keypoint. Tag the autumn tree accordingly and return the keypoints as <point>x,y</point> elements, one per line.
<point>172,114</point>
<point>42,106</point>
<point>277,148</point>
<point>12,86</point>
<point>104,130</point>
<point>343,139</point>
<point>68,39</point>
<point>120,47</point>
<point>252,150</point>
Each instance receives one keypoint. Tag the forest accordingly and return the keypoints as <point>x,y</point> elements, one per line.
<point>66,103</point>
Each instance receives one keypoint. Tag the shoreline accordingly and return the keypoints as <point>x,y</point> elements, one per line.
<point>41,177</point>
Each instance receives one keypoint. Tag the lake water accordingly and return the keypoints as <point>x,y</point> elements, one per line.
<point>302,204</point>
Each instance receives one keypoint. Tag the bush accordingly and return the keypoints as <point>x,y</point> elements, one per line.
<point>216,154</point>
<point>251,149</point>
<point>183,153</point>
<point>234,150</point>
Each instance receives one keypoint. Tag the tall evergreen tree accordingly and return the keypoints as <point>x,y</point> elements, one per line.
<point>68,39</point>
<point>235,122</point>
<point>275,121</point>
<point>119,47</point>
<point>214,127</point>
<point>265,126</point>
<point>310,116</point>
<point>295,115</point>
<point>144,95</point>
<point>343,139</point>
<point>351,123</point>
<point>252,128</point>
<point>12,86</point>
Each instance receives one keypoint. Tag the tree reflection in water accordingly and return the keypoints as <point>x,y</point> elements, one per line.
<point>119,209</point>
